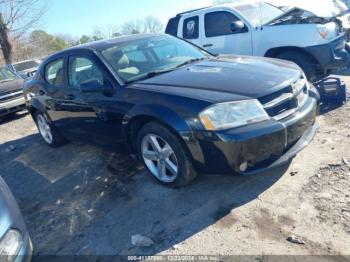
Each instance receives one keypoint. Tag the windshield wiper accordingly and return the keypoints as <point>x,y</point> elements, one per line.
<point>191,61</point>
<point>149,75</point>
<point>163,71</point>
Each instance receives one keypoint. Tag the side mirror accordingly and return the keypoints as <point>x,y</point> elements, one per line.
<point>238,27</point>
<point>94,86</point>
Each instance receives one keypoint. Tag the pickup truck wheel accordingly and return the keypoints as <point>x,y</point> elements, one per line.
<point>164,156</point>
<point>302,60</point>
<point>47,131</point>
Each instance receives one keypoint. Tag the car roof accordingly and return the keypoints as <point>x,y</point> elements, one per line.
<point>102,44</point>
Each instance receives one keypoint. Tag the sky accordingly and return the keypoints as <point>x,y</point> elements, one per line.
<point>78,17</point>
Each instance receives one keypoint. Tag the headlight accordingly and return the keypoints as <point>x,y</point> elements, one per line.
<point>10,244</point>
<point>327,31</point>
<point>233,114</point>
<point>300,84</point>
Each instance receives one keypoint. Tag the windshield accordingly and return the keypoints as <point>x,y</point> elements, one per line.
<point>7,75</point>
<point>140,58</point>
<point>26,65</point>
<point>259,13</point>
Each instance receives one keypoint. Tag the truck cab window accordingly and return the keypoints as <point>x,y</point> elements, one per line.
<point>191,28</point>
<point>219,23</point>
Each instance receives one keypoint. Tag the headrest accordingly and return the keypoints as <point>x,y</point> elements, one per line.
<point>122,59</point>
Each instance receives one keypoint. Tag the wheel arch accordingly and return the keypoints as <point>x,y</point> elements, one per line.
<point>276,51</point>
<point>34,107</point>
<point>141,115</point>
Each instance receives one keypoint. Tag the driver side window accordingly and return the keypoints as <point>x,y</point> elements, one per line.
<point>219,23</point>
<point>82,70</point>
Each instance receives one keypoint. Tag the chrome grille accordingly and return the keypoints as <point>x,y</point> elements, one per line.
<point>8,96</point>
<point>287,101</point>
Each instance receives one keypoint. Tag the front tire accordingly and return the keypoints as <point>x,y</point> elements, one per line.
<point>47,132</point>
<point>165,156</point>
<point>303,61</point>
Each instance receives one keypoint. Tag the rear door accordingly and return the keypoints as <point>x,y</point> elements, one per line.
<point>191,28</point>
<point>220,35</point>
<point>53,92</point>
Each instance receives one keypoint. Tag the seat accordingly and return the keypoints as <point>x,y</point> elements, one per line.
<point>59,79</point>
<point>123,65</point>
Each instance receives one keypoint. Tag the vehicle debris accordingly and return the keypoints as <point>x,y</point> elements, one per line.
<point>295,240</point>
<point>293,173</point>
<point>141,241</point>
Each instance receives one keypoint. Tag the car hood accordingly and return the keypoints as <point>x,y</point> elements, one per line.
<point>12,85</point>
<point>226,78</point>
<point>324,8</point>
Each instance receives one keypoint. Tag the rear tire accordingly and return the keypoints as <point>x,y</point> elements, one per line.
<point>47,131</point>
<point>164,156</point>
<point>303,61</point>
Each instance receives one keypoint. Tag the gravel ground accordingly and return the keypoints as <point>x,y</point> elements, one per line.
<point>80,199</point>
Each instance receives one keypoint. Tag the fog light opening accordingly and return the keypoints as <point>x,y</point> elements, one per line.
<point>243,167</point>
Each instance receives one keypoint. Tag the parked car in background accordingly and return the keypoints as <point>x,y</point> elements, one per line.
<point>15,243</point>
<point>316,44</point>
<point>28,68</point>
<point>181,110</point>
<point>11,92</point>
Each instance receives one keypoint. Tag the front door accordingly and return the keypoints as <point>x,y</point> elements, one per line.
<point>225,33</point>
<point>94,114</point>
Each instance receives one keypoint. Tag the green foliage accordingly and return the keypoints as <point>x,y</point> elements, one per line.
<point>59,43</point>
<point>84,39</point>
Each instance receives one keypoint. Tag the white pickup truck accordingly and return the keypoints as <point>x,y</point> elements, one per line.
<point>316,44</point>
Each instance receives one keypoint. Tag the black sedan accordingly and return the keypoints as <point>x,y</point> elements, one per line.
<point>181,110</point>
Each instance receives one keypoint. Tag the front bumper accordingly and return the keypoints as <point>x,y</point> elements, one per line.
<point>263,146</point>
<point>12,106</point>
<point>333,55</point>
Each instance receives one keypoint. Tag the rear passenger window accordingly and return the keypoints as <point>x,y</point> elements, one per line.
<point>219,23</point>
<point>172,26</point>
<point>191,28</point>
<point>54,73</point>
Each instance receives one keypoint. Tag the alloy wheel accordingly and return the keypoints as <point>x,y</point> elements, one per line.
<point>159,158</point>
<point>44,129</point>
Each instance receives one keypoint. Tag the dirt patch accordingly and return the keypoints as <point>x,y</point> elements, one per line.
<point>267,226</point>
<point>329,192</point>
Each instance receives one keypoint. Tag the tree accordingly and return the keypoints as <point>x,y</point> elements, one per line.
<point>152,25</point>
<point>59,43</point>
<point>84,39</point>
<point>133,27</point>
<point>16,18</point>
<point>98,33</point>
<point>41,42</point>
